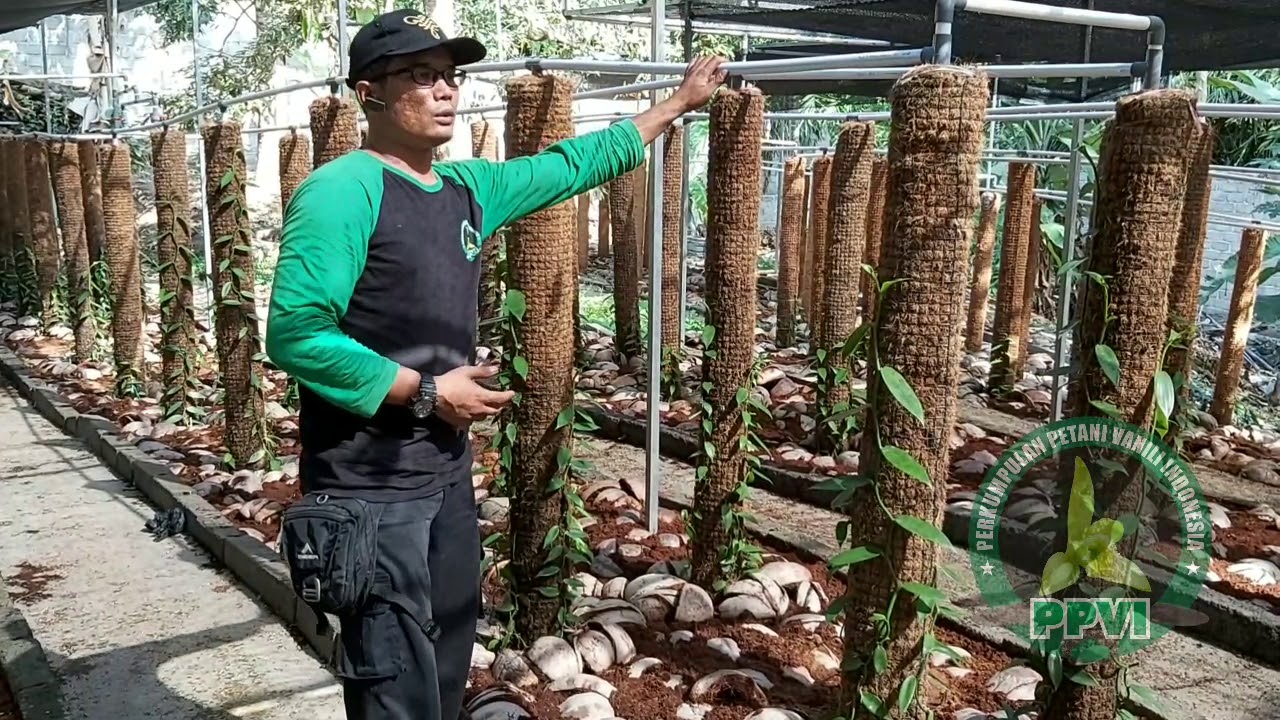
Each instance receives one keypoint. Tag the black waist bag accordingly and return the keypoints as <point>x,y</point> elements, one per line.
<point>331,547</point>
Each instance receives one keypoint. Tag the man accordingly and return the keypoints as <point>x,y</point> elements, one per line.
<point>374,312</point>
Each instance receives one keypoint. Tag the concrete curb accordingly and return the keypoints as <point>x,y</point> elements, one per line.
<point>36,688</point>
<point>253,563</point>
<point>264,572</point>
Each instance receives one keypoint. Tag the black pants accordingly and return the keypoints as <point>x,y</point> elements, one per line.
<point>429,550</point>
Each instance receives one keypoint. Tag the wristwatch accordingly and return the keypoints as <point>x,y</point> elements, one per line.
<point>423,402</point>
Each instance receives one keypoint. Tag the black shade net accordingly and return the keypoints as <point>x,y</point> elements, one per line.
<point>1038,89</point>
<point>17,14</point>
<point>1202,34</point>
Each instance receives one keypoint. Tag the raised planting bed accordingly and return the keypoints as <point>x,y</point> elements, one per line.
<point>1241,606</point>
<point>786,676</point>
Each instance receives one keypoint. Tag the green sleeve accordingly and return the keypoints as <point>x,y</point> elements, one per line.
<point>323,245</point>
<point>510,190</point>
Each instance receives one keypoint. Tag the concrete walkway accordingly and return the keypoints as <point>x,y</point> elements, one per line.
<point>135,628</point>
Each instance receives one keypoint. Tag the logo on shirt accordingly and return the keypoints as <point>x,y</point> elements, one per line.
<point>470,241</point>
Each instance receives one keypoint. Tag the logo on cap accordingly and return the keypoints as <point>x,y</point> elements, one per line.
<point>425,23</point>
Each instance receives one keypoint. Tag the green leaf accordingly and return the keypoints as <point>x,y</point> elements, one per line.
<point>741,396</point>
<point>1090,652</point>
<point>880,659</point>
<point>1082,677</point>
<point>853,556</point>
<point>1146,696</point>
<point>1110,410</point>
<point>521,366</point>
<point>928,594</point>
<point>1164,393</point>
<point>1080,508</point>
<point>907,693</point>
<point>904,462</point>
<point>873,704</point>
<point>1053,663</point>
<point>922,529</point>
<point>549,591</point>
<point>1110,364</point>
<point>565,417</point>
<point>514,304</point>
<point>1059,574</point>
<point>902,392</point>
<point>708,335</point>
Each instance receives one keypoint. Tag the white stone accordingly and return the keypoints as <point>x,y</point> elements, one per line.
<point>1257,571</point>
<point>1018,683</point>
<point>799,674</point>
<point>596,650</point>
<point>555,657</point>
<point>694,605</point>
<point>1218,516</point>
<point>510,667</point>
<point>740,606</point>
<point>784,573</point>
<point>774,714</point>
<point>583,681</point>
<point>725,646</point>
<point>824,660</point>
<point>481,657</point>
<point>641,666</point>
<point>692,711</point>
<point>586,706</point>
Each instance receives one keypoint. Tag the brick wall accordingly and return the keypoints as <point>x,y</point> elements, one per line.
<point>1231,197</point>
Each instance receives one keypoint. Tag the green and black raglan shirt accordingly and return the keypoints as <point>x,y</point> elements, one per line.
<point>377,269</point>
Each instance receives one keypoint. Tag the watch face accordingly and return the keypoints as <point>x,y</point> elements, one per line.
<point>421,408</point>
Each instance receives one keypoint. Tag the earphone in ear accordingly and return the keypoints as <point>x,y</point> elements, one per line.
<point>371,101</point>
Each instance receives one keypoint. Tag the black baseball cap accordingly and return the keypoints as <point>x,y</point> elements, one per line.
<point>405,32</point>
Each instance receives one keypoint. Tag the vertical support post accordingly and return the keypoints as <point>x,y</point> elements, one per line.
<point>653,401</point>
<point>197,86</point>
<point>497,25</point>
<point>343,42</point>
<point>1066,283</point>
<point>44,68</point>
<point>991,134</point>
<point>112,32</point>
<point>687,42</point>
<point>944,13</point>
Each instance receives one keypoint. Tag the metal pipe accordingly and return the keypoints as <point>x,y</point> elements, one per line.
<point>206,224</point>
<point>1069,221</point>
<point>1155,53</point>
<point>30,77</point>
<point>1046,70</point>
<point>112,18</point>
<point>1053,13</point>
<point>944,15</point>
<point>344,61</point>
<point>44,68</point>
<point>744,68</point>
<point>590,94</point>
<point>239,100</point>
<point>686,208</point>
<point>653,399</point>
<point>627,89</point>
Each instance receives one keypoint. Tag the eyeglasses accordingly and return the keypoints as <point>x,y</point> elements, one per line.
<point>426,76</point>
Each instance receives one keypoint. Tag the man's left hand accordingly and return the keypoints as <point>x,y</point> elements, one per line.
<point>701,79</point>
